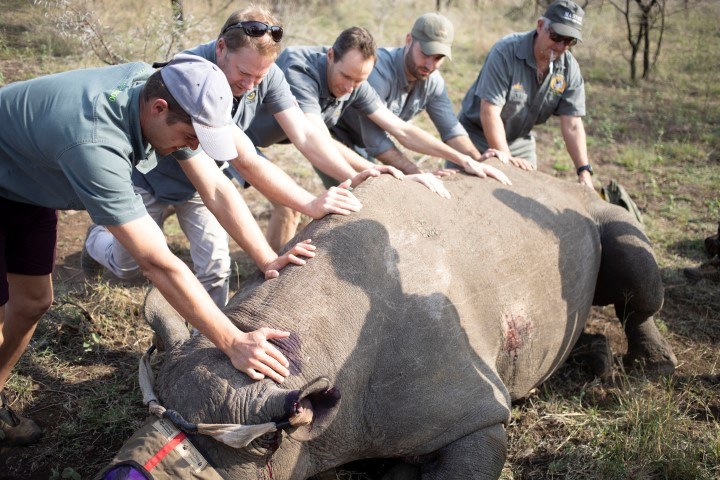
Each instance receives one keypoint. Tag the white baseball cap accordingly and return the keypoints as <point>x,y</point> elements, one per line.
<point>202,90</point>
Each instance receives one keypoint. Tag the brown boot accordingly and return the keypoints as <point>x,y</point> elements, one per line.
<point>709,270</point>
<point>16,431</point>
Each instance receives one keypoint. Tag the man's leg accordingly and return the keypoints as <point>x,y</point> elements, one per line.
<point>525,148</point>
<point>30,297</point>
<point>28,235</point>
<point>102,247</point>
<point>208,248</point>
<point>282,227</point>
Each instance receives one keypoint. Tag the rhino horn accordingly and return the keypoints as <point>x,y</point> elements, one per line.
<point>169,327</point>
<point>315,408</point>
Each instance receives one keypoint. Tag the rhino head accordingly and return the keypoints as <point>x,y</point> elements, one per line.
<point>223,395</point>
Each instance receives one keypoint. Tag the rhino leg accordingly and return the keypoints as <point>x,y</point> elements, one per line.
<point>593,349</point>
<point>630,279</point>
<point>476,456</point>
<point>169,327</point>
<point>646,346</point>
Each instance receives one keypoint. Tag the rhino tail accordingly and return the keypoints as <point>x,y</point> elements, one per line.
<point>169,327</point>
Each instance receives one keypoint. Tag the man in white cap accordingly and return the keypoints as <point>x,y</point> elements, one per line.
<point>526,78</point>
<point>408,81</point>
<point>71,141</point>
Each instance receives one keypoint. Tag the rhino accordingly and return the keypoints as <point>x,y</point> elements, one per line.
<point>424,318</point>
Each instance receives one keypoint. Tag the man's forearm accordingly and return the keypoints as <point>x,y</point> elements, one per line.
<point>228,206</point>
<point>463,144</point>
<point>320,150</point>
<point>355,160</point>
<point>573,132</point>
<point>274,183</point>
<point>145,242</point>
<point>397,159</point>
<point>493,127</point>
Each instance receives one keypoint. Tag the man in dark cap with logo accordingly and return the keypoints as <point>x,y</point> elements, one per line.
<point>407,81</point>
<point>526,78</point>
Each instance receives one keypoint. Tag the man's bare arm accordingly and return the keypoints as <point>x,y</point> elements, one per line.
<point>573,132</point>
<point>249,352</point>
<point>494,131</point>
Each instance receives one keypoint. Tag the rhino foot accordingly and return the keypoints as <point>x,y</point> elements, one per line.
<point>649,351</point>
<point>593,349</point>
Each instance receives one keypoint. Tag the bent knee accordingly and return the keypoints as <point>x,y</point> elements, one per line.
<point>31,307</point>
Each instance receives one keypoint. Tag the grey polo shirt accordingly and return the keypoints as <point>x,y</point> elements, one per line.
<point>167,182</point>
<point>391,84</point>
<point>508,79</point>
<point>69,141</point>
<point>305,69</point>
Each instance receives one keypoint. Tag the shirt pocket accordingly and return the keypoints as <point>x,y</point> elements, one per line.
<point>516,103</point>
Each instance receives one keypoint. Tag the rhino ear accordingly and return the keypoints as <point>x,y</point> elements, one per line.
<point>315,408</point>
<point>169,327</point>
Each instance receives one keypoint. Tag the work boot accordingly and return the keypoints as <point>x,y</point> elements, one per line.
<point>91,267</point>
<point>709,270</point>
<point>16,431</point>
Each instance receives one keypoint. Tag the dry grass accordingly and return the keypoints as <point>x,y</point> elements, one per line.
<point>661,139</point>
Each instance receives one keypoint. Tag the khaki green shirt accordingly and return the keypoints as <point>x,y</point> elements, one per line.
<point>69,141</point>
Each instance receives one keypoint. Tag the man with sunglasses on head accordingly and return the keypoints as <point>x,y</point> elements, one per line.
<point>526,78</point>
<point>407,81</point>
<point>245,51</point>
<point>70,141</point>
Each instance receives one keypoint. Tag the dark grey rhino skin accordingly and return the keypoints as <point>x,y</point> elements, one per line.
<point>429,316</point>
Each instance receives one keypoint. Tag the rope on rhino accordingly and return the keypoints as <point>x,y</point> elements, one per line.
<point>234,435</point>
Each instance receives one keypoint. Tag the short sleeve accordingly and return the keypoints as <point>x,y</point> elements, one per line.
<point>101,177</point>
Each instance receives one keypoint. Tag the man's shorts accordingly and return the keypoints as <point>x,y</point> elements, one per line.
<point>28,235</point>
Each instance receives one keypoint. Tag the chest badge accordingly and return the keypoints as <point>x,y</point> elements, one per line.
<point>557,84</point>
<point>251,96</point>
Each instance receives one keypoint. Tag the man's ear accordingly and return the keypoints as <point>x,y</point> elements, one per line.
<point>220,46</point>
<point>331,55</point>
<point>158,106</point>
<point>408,39</point>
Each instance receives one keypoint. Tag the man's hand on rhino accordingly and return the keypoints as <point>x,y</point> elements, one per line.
<point>433,183</point>
<point>304,248</point>
<point>252,354</point>
<point>376,171</point>
<point>445,172</point>
<point>506,158</point>
<point>338,200</point>
<point>482,170</point>
<point>586,179</point>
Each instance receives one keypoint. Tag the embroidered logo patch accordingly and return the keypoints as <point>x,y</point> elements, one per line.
<point>557,84</point>
<point>251,96</point>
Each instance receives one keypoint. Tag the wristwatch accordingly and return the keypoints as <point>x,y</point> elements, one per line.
<point>583,168</point>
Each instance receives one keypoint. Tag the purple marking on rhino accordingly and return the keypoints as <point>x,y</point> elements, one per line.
<point>291,347</point>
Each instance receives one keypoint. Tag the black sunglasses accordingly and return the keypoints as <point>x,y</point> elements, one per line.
<point>253,28</point>
<point>557,38</point>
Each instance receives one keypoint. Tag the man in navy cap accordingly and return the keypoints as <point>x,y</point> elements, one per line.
<point>526,78</point>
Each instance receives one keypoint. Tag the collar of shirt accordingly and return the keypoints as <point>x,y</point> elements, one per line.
<point>139,145</point>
